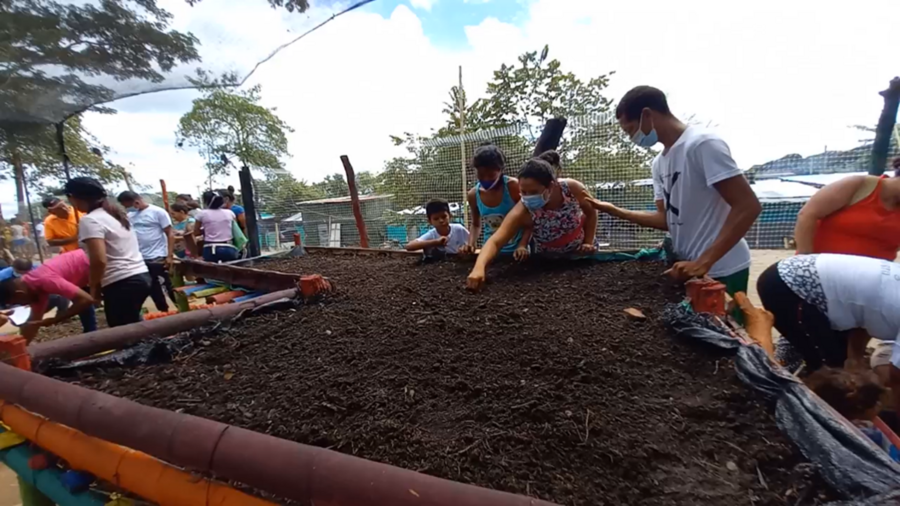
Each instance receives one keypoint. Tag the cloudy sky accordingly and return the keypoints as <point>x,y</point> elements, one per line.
<point>774,76</point>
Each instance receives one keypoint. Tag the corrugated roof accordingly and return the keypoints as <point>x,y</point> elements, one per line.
<point>343,200</point>
<point>820,180</point>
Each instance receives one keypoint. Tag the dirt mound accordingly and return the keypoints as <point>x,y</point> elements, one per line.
<point>539,385</point>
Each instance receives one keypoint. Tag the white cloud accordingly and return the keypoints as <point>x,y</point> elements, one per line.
<point>423,4</point>
<point>775,77</point>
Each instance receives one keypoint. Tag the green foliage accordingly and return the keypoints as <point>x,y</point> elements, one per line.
<point>32,153</point>
<point>280,193</point>
<point>520,99</point>
<point>291,5</point>
<point>234,124</point>
<point>49,49</point>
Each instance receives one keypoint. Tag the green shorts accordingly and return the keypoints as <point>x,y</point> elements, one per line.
<point>734,283</point>
<point>737,282</point>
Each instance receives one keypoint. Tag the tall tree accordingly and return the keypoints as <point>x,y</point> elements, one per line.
<point>59,59</point>
<point>32,154</point>
<point>232,123</point>
<point>291,5</point>
<point>280,193</point>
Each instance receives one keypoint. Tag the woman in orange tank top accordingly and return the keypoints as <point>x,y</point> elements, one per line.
<point>858,215</point>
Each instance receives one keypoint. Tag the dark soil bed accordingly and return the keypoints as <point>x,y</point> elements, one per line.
<point>68,328</point>
<point>538,385</point>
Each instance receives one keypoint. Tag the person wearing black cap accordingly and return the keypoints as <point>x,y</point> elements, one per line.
<point>60,225</point>
<point>118,274</point>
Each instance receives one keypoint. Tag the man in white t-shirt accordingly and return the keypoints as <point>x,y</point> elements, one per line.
<point>156,239</point>
<point>444,237</point>
<point>702,197</point>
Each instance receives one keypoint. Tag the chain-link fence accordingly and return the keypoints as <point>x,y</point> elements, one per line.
<point>593,150</point>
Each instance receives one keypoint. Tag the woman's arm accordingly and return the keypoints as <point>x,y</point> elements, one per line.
<point>515,220</point>
<point>96,250</point>
<point>590,213</point>
<point>823,203</point>
<point>475,230</point>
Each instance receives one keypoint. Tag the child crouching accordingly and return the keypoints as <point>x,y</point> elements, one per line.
<point>444,237</point>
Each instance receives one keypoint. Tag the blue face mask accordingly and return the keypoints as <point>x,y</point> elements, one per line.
<point>644,140</point>
<point>487,185</point>
<point>534,202</point>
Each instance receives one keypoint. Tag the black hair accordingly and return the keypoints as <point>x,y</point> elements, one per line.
<point>231,189</point>
<point>213,200</point>
<point>850,393</point>
<point>489,156</point>
<point>91,191</point>
<point>551,157</point>
<point>639,98</point>
<point>7,291</point>
<point>49,202</point>
<point>193,204</point>
<point>896,166</point>
<point>127,196</point>
<point>436,206</point>
<point>184,196</point>
<point>179,207</point>
<point>539,170</point>
<point>22,264</point>
<point>227,194</point>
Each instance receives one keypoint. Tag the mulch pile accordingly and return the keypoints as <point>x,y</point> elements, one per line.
<point>538,385</point>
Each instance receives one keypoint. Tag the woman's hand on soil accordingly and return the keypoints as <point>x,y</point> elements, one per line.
<point>467,249</point>
<point>521,254</point>
<point>475,280</point>
<point>586,249</point>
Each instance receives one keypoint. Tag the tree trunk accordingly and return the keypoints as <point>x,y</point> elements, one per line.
<point>19,171</point>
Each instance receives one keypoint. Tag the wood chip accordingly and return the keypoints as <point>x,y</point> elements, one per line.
<point>635,314</point>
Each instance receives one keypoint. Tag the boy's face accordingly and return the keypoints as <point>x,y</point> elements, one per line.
<point>440,221</point>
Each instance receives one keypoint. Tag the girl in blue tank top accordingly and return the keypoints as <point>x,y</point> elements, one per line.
<point>492,198</point>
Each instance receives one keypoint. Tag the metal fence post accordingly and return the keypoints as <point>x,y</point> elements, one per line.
<point>885,128</point>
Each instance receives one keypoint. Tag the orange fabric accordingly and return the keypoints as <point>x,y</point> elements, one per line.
<point>58,228</point>
<point>866,228</point>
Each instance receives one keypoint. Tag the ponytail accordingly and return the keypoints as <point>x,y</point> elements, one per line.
<point>112,210</point>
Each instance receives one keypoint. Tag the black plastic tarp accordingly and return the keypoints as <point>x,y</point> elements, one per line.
<point>852,464</point>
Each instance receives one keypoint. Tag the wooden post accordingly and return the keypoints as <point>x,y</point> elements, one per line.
<point>354,201</point>
<point>881,146</point>
<point>165,194</point>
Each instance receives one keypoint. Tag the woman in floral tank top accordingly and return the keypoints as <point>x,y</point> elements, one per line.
<point>557,212</point>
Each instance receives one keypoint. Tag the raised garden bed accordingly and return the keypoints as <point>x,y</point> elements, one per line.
<point>539,385</point>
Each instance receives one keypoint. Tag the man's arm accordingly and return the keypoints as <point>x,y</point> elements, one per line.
<point>81,300</point>
<point>825,202</point>
<point>745,208</point>
<point>651,219</point>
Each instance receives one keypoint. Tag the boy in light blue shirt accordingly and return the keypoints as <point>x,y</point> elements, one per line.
<point>444,237</point>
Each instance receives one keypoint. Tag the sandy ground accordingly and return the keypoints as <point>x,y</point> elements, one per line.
<point>9,490</point>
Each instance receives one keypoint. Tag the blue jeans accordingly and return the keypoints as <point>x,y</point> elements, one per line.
<point>219,253</point>
<point>88,317</point>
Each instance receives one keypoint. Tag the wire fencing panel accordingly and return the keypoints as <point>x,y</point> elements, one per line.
<point>593,150</point>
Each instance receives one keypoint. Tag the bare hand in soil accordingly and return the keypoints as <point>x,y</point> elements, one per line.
<point>467,249</point>
<point>586,249</point>
<point>521,254</point>
<point>442,241</point>
<point>475,280</point>
<point>683,271</point>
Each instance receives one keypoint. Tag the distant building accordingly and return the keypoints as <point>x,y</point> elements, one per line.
<point>330,222</point>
